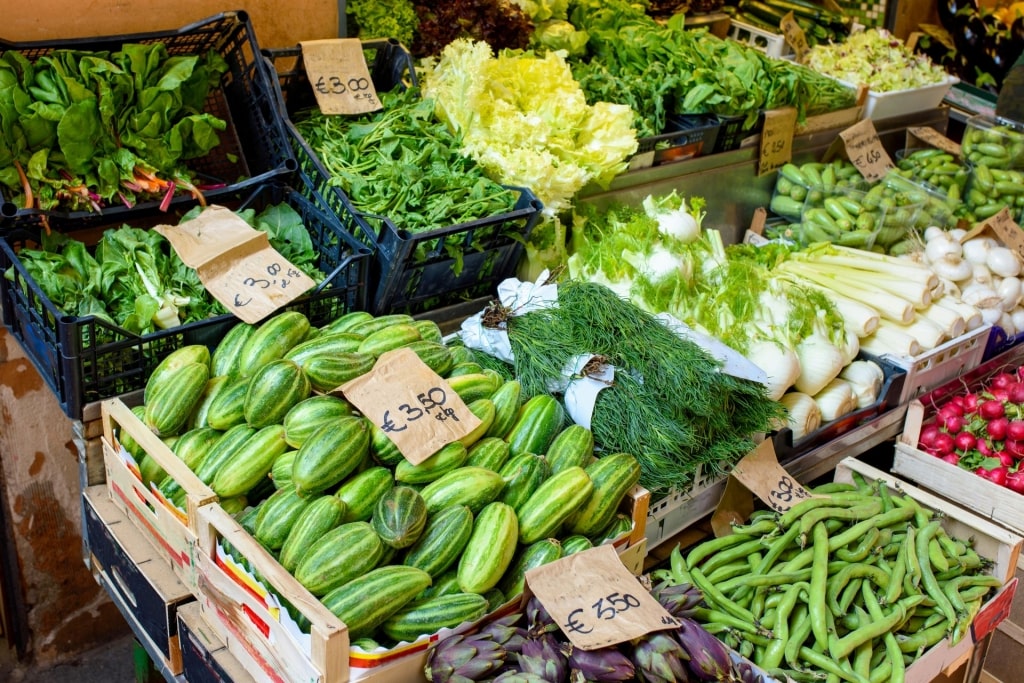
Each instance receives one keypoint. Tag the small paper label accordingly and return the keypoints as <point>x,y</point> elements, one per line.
<point>776,139</point>
<point>795,36</point>
<point>641,160</point>
<point>236,263</point>
<point>932,138</point>
<point>595,599</point>
<point>337,71</point>
<point>1003,227</point>
<point>758,221</point>
<point>761,472</point>
<point>865,151</point>
<point>755,238</point>
<point>412,404</point>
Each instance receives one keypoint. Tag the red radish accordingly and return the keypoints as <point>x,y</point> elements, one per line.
<point>970,403</point>
<point>984,448</point>
<point>991,409</point>
<point>1020,373</point>
<point>953,406</point>
<point>1005,459</point>
<point>952,423</point>
<point>1014,448</point>
<point>998,428</point>
<point>943,444</point>
<point>996,475</point>
<point>1016,392</point>
<point>1003,380</point>
<point>1015,430</point>
<point>1000,394</point>
<point>964,441</point>
<point>928,434</point>
<point>952,458</point>
<point>1015,481</point>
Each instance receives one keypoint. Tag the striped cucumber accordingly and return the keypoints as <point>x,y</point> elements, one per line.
<point>552,503</point>
<point>470,368</point>
<point>429,331</point>
<point>442,541</point>
<point>472,486</point>
<point>368,327</point>
<point>575,543</point>
<point>430,616</point>
<point>326,345</point>
<point>365,602</point>
<point>281,471</point>
<point>272,340</point>
<point>445,584</point>
<point>472,387</point>
<point>170,405</point>
<point>202,407</point>
<point>362,491</point>
<point>573,447</point>
<point>128,441</point>
<point>277,517</point>
<point>172,363</point>
<point>346,322</point>
<point>462,354</point>
<point>399,517</point>
<point>490,548</point>
<point>620,525</point>
<point>330,454</point>
<point>342,554</point>
<point>274,390</point>
<point>534,555</point>
<point>537,424</point>
<point>490,452</point>
<point>222,451</point>
<point>506,408</point>
<point>522,475</point>
<point>389,339</point>
<point>224,361</point>
<point>150,470</point>
<point>446,459</point>
<point>434,355</point>
<point>227,408</point>
<point>195,444</point>
<point>612,476</point>
<point>234,505</point>
<point>327,373</point>
<point>308,415</point>
<point>383,448</point>
<point>483,409</point>
<point>322,515</point>
<point>251,463</point>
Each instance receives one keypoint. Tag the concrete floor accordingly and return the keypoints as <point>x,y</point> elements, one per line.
<point>110,663</point>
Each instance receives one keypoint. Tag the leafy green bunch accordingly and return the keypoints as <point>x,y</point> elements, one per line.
<point>82,130</point>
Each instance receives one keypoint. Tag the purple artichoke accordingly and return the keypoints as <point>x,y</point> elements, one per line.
<point>460,659</point>
<point>659,658</point>
<point>604,664</point>
<point>709,657</point>
<point>543,656</point>
<point>678,600</point>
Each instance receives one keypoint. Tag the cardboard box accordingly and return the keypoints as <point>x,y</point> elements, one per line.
<point>171,531</point>
<point>204,656</point>
<point>141,584</point>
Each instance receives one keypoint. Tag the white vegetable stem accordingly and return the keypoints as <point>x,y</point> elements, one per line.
<point>803,414</point>
<point>835,400</point>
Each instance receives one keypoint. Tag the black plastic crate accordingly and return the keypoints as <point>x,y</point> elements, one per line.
<point>683,138</point>
<point>412,272</point>
<point>86,359</point>
<point>253,149</point>
<point>731,132</point>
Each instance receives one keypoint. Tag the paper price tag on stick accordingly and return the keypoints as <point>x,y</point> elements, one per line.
<point>413,404</point>
<point>776,140</point>
<point>761,472</point>
<point>865,151</point>
<point>236,263</point>
<point>595,600</point>
<point>1003,227</point>
<point>795,36</point>
<point>341,81</point>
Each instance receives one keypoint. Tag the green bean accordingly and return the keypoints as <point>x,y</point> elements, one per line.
<point>841,648</point>
<point>860,482</point>
<point>678,567</point>
<point>833,487</point>
<point>892,647</point>
<point>963,625</point>
<point>799,630</point>
<point>819,577</point>
<point>951,573</point>
<point>974,593</point>
<point>936,557</point>
<point>884,519</point>
<point>746,648</point>
<point>848,595</point>
<point>774,653</point>
<point>882,672</point>
<point>931,584</point>
<point>830,666</point>
<point>899,570</point>
<point>729,556</point>
<point>715,545</point>
<point>706,615</point>
<point>757,603</point>
<point>861,571</point>
<point>953,589</point>
<point>756,528</point>
<point>924,638</point>
<point>797,675</point>
<point>774,551</point>
<point>913,562</point>
<point>855,513</point>
<point>730,571</point>
<point>714,597</point>
<point>850,620</point>
<point>950,546</point>
<point>936,617</point>
<point>862,658</point>
<point>883,494</point>
<point>861,550</point>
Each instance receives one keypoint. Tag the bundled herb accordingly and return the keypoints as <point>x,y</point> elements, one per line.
<point>137,281</point>
<point>404,164</point>
<point>82,130</point>
<point>669,403</point>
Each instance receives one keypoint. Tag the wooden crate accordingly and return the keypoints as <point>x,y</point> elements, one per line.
<point>268,644</point>
<point>172,531</point>
<point>139,581</point>
<point>990,540</point>
<point>204,656</point>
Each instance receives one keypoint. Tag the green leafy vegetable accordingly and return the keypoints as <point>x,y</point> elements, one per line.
<point>385,19</point>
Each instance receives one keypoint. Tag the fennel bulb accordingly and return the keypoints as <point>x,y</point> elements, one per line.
<point>803,415</point>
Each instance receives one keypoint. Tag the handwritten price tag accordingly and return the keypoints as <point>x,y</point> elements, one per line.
<point>595,600</point>
<point>341,81</point>
<point>236,263</point>
<point>795,36</point>
<point>1004,228</point>
<point>865,150</point>
<point>412,404</point>
<point>761,472</point>
<point>776,140</point>
<point>933,138</point>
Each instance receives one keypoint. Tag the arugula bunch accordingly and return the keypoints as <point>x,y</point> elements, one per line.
<point>82,130</point>
<point>135,280</point>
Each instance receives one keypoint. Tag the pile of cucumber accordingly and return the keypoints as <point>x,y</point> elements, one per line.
<point>820,25</point>
<point>395,550</point>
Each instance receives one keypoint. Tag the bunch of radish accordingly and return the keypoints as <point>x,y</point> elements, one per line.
<point>983,431</point>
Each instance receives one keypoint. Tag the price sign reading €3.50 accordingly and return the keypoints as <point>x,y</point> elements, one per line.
<point>341,81</point>
<point>595,600</point>
<point>411,403</point>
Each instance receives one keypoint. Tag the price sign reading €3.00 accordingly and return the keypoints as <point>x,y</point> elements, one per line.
<point>865,150</point>
<point>761,473</point>
<point>341,81</point>
<point>411,403</point>
<point>595,600</point>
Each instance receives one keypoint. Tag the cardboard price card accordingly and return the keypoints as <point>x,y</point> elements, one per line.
<point>932,138</point>
<point>795,36</point>
<point>412,404</point>
<point>865,151</point>
<point>337,71</point>
<point>236,263</point>
<point>762,474</point>
<point>1003,228</point>
<point>595,599</point>
<point>776,140</point>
